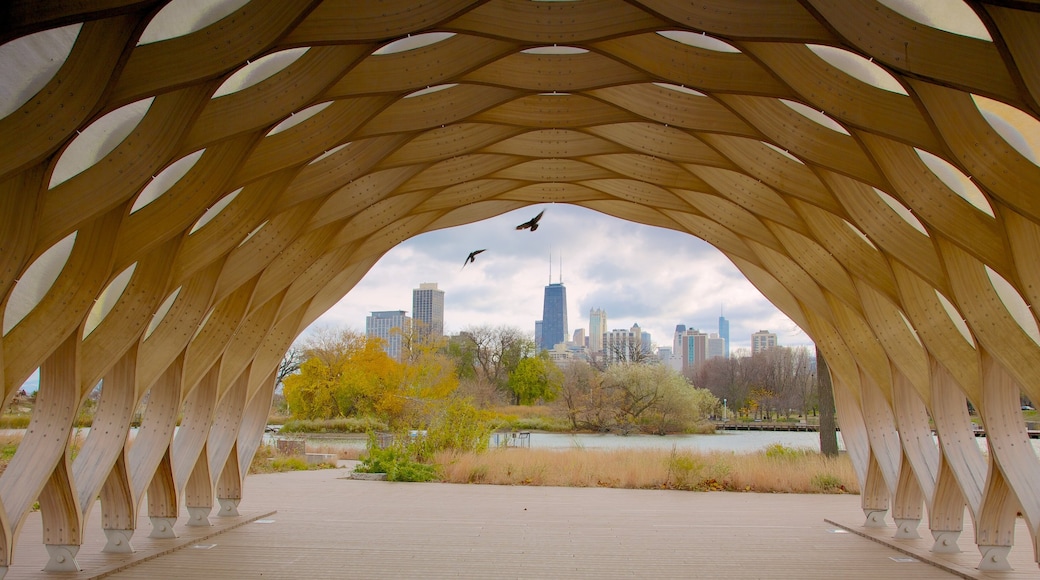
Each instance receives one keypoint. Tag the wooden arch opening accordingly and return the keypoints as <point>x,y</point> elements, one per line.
<point>218,179</point>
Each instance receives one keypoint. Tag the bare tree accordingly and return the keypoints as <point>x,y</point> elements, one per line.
<point>290,363</point>
<point>584,400</point>
<point>628,351</point>
<point>828,425</point>
<point>497,350</point>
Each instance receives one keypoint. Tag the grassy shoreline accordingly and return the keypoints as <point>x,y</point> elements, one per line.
<point>779,469</point>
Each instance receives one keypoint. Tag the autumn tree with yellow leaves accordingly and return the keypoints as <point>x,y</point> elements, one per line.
<point>346,374</point>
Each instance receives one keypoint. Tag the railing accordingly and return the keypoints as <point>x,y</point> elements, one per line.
<point>514,439</point>
<point>761,426</point>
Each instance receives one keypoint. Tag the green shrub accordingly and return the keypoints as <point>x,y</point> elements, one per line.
<point>289,464</point>
<point>551,424</point>
<point>826,482</point>
<point>395,461</point>
<point>14,421</point>
<point>781,451</point>
<point>459,427</point>
<point>684,470</point>
<point>339,425</point>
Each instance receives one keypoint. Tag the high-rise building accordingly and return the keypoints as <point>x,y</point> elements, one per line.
<point>664,354</point>
<point>716,347</point>
<point>538,333</point>
<point>597,326</point>
<point>680,330</point>
<point>554,316</point>
<point>428,310</point>
<point>724,333</point>
<point>694,349</point>
<point>762,340</point>
<point>645,344</point>
<point>620,345</point>
<point>381,324</point>
<point>579,339</point>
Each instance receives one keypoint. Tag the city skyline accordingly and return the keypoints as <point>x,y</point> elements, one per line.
<point>636,274</point>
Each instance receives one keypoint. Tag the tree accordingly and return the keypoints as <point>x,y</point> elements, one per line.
<point>345,374</point>
<point>638,389</point>
<point>828,426</point>
<point>290,363</point>
<point>586,404</point>
<point>535,378</point>
<point>496,351</point>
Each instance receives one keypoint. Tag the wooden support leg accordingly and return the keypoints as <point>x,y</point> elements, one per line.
<point>223,438</point>
<point>162,500</point>
<point>908,507</point>
<point>100,464</point>
<point>61,520</point>
<point>198,492</point>
<point>1013,485</point>
<point>229,485</point>
<point>118,509</point>
<point>192,474</point>
<point>40,467</point>
<point>149,454</point>
<point>946,515</point>
<point>874,497</point>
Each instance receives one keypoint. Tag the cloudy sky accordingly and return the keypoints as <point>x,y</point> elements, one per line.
<point>639,274</point>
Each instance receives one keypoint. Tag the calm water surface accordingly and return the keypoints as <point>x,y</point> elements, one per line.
<point>736,441</point>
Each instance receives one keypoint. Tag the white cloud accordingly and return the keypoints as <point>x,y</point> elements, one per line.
<point>639,274</point>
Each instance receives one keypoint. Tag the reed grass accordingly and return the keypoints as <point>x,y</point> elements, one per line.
<point>528,418</point>
<point>800,472</point>
<point>340,425</point>
<point>340,452</point>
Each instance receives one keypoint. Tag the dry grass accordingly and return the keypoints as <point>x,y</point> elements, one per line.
<point>340,452</point>
<point>657,469</point>
<point>8,445</point>
<point>523,411</point>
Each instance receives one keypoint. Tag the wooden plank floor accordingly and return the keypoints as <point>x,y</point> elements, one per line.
<point>327,526</point>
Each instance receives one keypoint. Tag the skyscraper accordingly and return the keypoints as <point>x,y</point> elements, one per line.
<point>645,345</point>
<point>554,316</point>
<point>428,309</point>
<point>762,340</point>
<point>716,347</point>
<point>680,330</point>
<point>597,326</point>
<point>724,333</point>
<point>381,325</point>
<point>620,345</point>
<point>694,349</point>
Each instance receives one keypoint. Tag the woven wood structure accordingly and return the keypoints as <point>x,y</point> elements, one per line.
<point>183,190</point>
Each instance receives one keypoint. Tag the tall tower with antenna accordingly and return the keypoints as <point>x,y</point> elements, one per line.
<point>554,311</point>
<point>724,331</point>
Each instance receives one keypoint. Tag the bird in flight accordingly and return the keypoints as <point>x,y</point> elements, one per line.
<point>472,257</point>
<point>532,223</point>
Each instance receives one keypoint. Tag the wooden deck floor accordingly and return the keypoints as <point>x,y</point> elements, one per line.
<point>327,526</point>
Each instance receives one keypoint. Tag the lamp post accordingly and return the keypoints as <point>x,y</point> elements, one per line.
<point>725,415</point>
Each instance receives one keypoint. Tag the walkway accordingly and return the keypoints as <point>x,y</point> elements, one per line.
<point>327,526</point>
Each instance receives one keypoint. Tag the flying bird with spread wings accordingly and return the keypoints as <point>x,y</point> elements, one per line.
<point>472,257</point>
<point>532,223</point>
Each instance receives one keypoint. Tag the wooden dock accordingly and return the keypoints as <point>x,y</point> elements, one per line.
<point>327,526</point>
<point>761,426</point>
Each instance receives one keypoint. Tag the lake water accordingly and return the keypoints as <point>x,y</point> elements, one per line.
<point>735,441</point>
